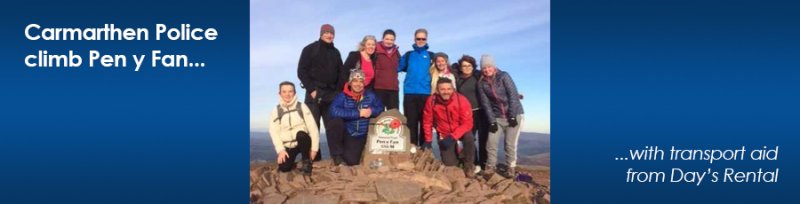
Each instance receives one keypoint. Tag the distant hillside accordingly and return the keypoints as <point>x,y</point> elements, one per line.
<point>533,149</point>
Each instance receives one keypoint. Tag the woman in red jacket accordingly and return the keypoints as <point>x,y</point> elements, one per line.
<point>387,58</point>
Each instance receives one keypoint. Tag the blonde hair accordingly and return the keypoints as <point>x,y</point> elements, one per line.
<point>363,43</point>
<point>435,72</point>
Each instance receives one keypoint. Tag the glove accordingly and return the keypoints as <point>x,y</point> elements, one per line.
<point>446,143</point>
<point>493,128</point>
<point>513,122</point>
<point>426,146</point>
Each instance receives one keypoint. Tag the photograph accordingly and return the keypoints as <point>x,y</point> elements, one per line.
<point>400,102</point>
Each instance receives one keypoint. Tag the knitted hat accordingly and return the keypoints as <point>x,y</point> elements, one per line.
<point>326,28</point>
<point>356,74</point>
<point>487,61</point>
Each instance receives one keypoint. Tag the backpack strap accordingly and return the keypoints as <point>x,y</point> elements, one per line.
<point>408,55</point>
<point>281,112</point>
<point>300,110</point>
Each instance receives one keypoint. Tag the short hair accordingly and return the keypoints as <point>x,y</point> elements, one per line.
<point>443,80</point>
<point>421,30</point>
<point>284,83</point>
<point>388,32</point>
<point>363,42</point>
<point>467,58</point>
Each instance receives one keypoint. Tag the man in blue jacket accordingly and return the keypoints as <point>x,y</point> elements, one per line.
<point>353,108</point>
<point>417,85</point>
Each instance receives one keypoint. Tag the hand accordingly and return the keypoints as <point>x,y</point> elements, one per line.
<point>493,128</point>
<point>313,155</point>
<point>282,157</point>
<point>426,146</point>
<point>513,122</point>
<point>365,113</point>
<point>314,94</point>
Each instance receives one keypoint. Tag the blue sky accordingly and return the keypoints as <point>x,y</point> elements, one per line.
<point>516,33</point>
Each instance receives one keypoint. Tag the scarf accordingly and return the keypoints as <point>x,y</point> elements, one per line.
<point>389,50</point>
<point>351,94</point>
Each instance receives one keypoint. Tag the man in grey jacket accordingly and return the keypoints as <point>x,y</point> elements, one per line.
<point>501,103</point>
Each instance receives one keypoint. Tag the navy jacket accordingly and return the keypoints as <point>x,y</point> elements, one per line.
<point>347,108</point>
<point>499,96</point>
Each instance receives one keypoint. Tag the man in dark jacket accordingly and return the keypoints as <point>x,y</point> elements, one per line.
<point>500,101</point>
<point>451,113</point>
<point>322,75</point>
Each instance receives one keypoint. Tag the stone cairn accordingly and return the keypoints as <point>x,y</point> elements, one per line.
<point>407,178</point>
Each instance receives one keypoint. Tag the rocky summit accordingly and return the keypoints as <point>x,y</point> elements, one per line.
<point>418,178</point>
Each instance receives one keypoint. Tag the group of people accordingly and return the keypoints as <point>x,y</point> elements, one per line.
<point>458,102</point>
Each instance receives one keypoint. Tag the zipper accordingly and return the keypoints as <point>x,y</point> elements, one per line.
<point>497,99</point>
<point>449,117</point>
<point>358,106</point>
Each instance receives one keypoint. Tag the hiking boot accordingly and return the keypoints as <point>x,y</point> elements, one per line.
<point>510,173</point>
<point>488,171</point>
<point>469,172</point>
<point>307,167</point>
<point>337,160</point>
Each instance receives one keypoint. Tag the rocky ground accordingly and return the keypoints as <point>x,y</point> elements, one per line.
<point>417,178</point>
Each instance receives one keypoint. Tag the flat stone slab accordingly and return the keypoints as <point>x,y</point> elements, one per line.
<point>399,191</point>
<point>360,197</point>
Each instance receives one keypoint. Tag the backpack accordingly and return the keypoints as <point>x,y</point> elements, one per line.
<point>430,55</point>
<point>281,112</point>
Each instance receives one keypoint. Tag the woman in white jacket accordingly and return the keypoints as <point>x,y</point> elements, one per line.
<point>440,68</point>
<point>293,131</point>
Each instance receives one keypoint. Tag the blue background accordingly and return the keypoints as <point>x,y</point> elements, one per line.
<point>693,74</point>
<point>625,74</point>
<point>112,135</point>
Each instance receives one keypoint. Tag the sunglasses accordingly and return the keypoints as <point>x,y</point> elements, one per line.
<point>422,39</point>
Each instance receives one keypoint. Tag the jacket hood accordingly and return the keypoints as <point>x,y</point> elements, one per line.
<point>438,99</point>
<point>386,50</point>
<point>289,104</point>
<point>350,93</point>
<point>498,73</point>
<point>475,73</point>
<point>417,48</point>
<point>323,43</point>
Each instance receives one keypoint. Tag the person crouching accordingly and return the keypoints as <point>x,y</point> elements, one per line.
<point>352,109</point>
<point>293,131</point>
<point>451,113</point>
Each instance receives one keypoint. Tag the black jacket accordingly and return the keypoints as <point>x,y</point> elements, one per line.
<point>320,68</point>
<point>354,59</point>
<point>469,88</point>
